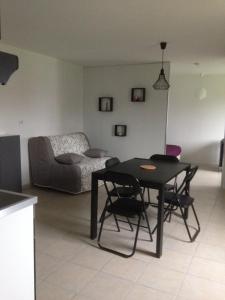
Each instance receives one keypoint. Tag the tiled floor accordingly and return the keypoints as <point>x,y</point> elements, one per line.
<point>70,265</point>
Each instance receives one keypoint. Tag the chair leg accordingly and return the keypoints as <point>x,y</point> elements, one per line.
<point>148,194</point>
<point>196,218</point>
<point>192,238</point>
<point>117,223</point>
<point>170,213</point>
<point>170,216</point>
<point>185,223</point>
<point>143,191</point>
<point>198,224</point>
<point>148,225</point>
<point>117,252</point>
<point>166,214</point>
<point>131,227</point>
<point>102,222</point>
<point>149,198</point>
<point>136,236</point>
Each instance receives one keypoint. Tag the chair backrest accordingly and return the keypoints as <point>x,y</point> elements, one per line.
<point>162,157</point>
<point>187,180</point>
<point>119,179</point>
<point>173,150</point>
<point>112,162</point>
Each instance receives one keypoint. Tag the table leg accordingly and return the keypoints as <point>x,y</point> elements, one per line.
<point>159,240</point>
<point>187,193</point>
<point>94,207</point>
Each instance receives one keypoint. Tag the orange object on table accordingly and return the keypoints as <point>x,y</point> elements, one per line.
<point>148,167</point>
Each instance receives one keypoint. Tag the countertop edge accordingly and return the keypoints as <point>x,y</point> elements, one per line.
<point>21,204</point>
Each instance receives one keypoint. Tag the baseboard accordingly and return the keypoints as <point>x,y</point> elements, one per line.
<point>210,167</point>
<point>26,186</point>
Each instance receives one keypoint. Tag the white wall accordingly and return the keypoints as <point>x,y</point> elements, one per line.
<point>197,125</point>
<point>44,96</point>
<point>146,121</point>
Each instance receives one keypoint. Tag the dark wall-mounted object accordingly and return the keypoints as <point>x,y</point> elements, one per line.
<point>120,130</point>
<point>105,104</point>
<point>138,94</point>
<point>221,153</point>
<point>9,63</point>
<point>10,163</point>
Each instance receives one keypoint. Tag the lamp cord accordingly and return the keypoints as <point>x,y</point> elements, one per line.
<point>162,57</point>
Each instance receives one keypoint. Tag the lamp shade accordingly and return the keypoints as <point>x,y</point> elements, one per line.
<point>8,64</point>
<point>161,83</point>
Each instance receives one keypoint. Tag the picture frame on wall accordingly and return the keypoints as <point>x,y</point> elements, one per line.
<point>120,130</point>
<point>105,104</point>
<point>138,94</point>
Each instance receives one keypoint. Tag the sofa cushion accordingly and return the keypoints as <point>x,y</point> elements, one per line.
<point>69,158</point>
<point>87,166</point>
<point>70,143</point>
<point>95,153</point>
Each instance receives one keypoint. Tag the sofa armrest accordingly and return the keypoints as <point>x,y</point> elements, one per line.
<point>41,158</point>
<point>65,177</point>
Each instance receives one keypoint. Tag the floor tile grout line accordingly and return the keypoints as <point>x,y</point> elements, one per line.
<point>155,289</point>
<point>100,271</point>
<point>207,279</point>
<point>194,254</point>
<point>61,287</point>
<point>186,273</point>
<point>213,208</point>
<point>211,259</point>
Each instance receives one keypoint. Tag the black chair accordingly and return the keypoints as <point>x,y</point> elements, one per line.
<point>166,158</point>
<point>163,157</point>
<point>128,207</point>
<point>168,187</point>
<point>112,162</point>
<point>181,199</point>
<point>124,191</point>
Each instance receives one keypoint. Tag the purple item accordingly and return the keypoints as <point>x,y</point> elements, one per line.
<point>173,150</point>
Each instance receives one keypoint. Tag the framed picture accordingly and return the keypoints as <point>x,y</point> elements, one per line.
<point>138,94</point>
<point>105,104</point>
<point>120,130</point>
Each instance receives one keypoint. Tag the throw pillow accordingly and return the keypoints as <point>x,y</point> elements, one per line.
<point>69,158</point>
<point>95,153</point>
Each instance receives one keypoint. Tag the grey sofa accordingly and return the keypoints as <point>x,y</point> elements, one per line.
<point>45,171</point>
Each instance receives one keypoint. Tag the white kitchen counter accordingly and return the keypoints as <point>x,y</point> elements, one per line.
<point>17,263</point>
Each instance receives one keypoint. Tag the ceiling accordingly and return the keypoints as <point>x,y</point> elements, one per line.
<point>109,32</point>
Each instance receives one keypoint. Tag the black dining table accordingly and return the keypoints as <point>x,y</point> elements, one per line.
<point>154,179</point>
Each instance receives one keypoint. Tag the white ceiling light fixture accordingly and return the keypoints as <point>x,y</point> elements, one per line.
<point>162,83</point>
<point>202,94</point>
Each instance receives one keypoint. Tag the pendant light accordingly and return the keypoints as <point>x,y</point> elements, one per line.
<point>162,83</point>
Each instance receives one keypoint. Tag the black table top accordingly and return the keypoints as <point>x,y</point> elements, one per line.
<point>163,173</point>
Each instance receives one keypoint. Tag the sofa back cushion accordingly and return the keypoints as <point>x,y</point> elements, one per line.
<point>70,143</point>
